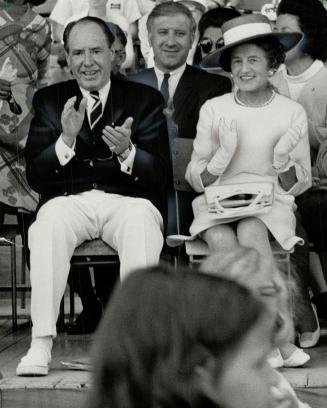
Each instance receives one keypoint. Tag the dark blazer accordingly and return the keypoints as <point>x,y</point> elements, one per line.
<point>93,166</point>
<point>194,88</point>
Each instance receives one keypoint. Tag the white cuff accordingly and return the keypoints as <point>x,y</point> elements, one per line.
<point>126,166</point>
<point>64,152</point>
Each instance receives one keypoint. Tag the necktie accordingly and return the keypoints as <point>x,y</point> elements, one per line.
<point>164,89</point>
<point>96,111</point>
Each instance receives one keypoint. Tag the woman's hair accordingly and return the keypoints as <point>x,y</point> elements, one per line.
<point>216,18</point>
<point>35,2</point>
<point>313,23</point>
<point>160,325</point>
<point>274,51</point>
<point>170,9</point>
<point>247,267</point>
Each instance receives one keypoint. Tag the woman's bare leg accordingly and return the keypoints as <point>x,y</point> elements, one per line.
<point>220,238</point>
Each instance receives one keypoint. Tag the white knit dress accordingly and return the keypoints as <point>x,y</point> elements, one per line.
<point>259,129</point>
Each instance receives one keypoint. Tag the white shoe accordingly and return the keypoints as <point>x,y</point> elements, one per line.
<point>275,360</point>
<point>35,363</point>
<point>310,339</point>
<point>297,359</point>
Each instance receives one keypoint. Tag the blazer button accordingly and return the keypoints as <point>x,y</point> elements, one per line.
<point>57,171</point>
<point>91,163</point>
<point>94,185</point>
<point>136,179</point>
<point>65,193</point>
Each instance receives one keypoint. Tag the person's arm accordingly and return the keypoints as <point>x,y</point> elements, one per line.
<point>295,174</point>
<point>213,149</point>
<point>43,167</point>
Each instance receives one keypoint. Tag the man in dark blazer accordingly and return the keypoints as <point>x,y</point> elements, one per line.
<point>171,29</point>
<point>97,153</point>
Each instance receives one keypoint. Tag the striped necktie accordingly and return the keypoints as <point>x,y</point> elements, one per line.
<point>164,89</point>
<point>96,111</point>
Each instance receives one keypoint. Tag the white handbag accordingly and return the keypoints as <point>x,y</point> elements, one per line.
<point>238,200</point>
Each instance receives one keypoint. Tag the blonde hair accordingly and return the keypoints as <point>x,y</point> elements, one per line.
<point>250,269</point>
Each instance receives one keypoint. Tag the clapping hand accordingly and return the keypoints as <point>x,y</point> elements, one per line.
<point>285,145</point>
<point>119,138</point>
<point>228,143</point>
<point>72,120</point>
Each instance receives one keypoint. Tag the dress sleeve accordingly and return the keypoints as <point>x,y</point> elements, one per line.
<point>204,146</point>
<point>300,156</point>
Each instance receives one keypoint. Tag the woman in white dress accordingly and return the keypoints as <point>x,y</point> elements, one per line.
<point>251,135</point>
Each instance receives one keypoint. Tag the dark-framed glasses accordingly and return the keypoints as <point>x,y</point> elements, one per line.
<point>208,46</point>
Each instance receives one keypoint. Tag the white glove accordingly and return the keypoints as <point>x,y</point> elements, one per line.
<point>284,146</point>
<point>228,142</point>
<point>8,72</point>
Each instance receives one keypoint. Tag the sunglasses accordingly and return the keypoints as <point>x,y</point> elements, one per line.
<point>207,45</point>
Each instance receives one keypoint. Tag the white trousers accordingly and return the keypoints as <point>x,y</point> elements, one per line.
<point>132,226</point>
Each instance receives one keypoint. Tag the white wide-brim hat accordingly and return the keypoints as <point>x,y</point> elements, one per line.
<point>241,30</point>
<point>202,4</point>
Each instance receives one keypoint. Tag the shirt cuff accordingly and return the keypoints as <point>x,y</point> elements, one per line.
<point>64,152</point>
<point>126,166</point>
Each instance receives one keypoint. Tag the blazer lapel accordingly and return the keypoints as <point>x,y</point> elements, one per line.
<point>182,96</point>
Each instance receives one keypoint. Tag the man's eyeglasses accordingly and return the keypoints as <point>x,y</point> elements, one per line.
<point>207,45</point>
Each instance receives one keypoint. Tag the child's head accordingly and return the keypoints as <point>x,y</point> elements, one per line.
<point>247,267</point>
<point>180,338</point>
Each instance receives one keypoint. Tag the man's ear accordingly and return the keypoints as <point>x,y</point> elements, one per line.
<point>205,378</point>
<point>112,55</point>
<point>150,38</point>
<point>68,59</point>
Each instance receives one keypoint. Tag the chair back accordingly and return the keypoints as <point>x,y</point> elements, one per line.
<point>184,194</point>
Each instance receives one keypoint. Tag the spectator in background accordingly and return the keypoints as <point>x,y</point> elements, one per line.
<point>210,34</point>
<point>172,28</point>
<point>25,40</point>
<point>197,8</point>
<point>124,13</point>
<point>304,79</point>
<point>119,49</point>
<point>184,339</point>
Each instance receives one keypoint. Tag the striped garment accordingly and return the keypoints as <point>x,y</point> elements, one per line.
<point>26,41</point>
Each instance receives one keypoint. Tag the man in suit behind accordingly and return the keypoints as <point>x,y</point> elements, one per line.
<point>171,29</point>
<point>96,150</point>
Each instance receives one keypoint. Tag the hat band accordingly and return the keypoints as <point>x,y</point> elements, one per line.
<point>244,31</point>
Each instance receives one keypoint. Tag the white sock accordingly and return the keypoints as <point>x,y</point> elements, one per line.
<point>44,342</point>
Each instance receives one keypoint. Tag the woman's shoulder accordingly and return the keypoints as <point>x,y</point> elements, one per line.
<point>222,100</point>
<point>285,102</point>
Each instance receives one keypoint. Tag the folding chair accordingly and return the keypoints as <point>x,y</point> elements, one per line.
<point>89,253</point>
<point>198,249</point>
<point>9,232</point>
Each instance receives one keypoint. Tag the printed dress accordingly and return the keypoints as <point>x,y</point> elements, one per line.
<point>25,42</point>
<point>259,129</point>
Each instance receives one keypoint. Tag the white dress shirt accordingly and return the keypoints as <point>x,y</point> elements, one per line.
<point>173,80</point>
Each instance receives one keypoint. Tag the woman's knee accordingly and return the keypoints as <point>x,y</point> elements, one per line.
<point>250,226</point>
<point>220,236</point>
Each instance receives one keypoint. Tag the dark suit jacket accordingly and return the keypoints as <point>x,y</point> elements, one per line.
<point>92,166</point>
<point>194,88</point>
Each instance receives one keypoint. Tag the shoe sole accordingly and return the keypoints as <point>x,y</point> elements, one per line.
<point>32,371</point>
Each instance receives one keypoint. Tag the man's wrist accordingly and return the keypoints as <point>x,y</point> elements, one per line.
<point>125,153</point>
<point>69,141</point>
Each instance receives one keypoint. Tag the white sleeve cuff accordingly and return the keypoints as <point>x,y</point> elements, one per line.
<point>64,152</point>
<point>126,166</point>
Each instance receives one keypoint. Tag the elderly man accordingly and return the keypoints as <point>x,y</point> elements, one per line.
<point>97,152</point>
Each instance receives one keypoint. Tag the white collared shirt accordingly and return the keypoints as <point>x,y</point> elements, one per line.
<point>173,80</point>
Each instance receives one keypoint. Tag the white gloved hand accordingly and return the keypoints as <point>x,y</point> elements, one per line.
<point>8,72</point>
<point>228,142</point>
<point>284,146</point>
